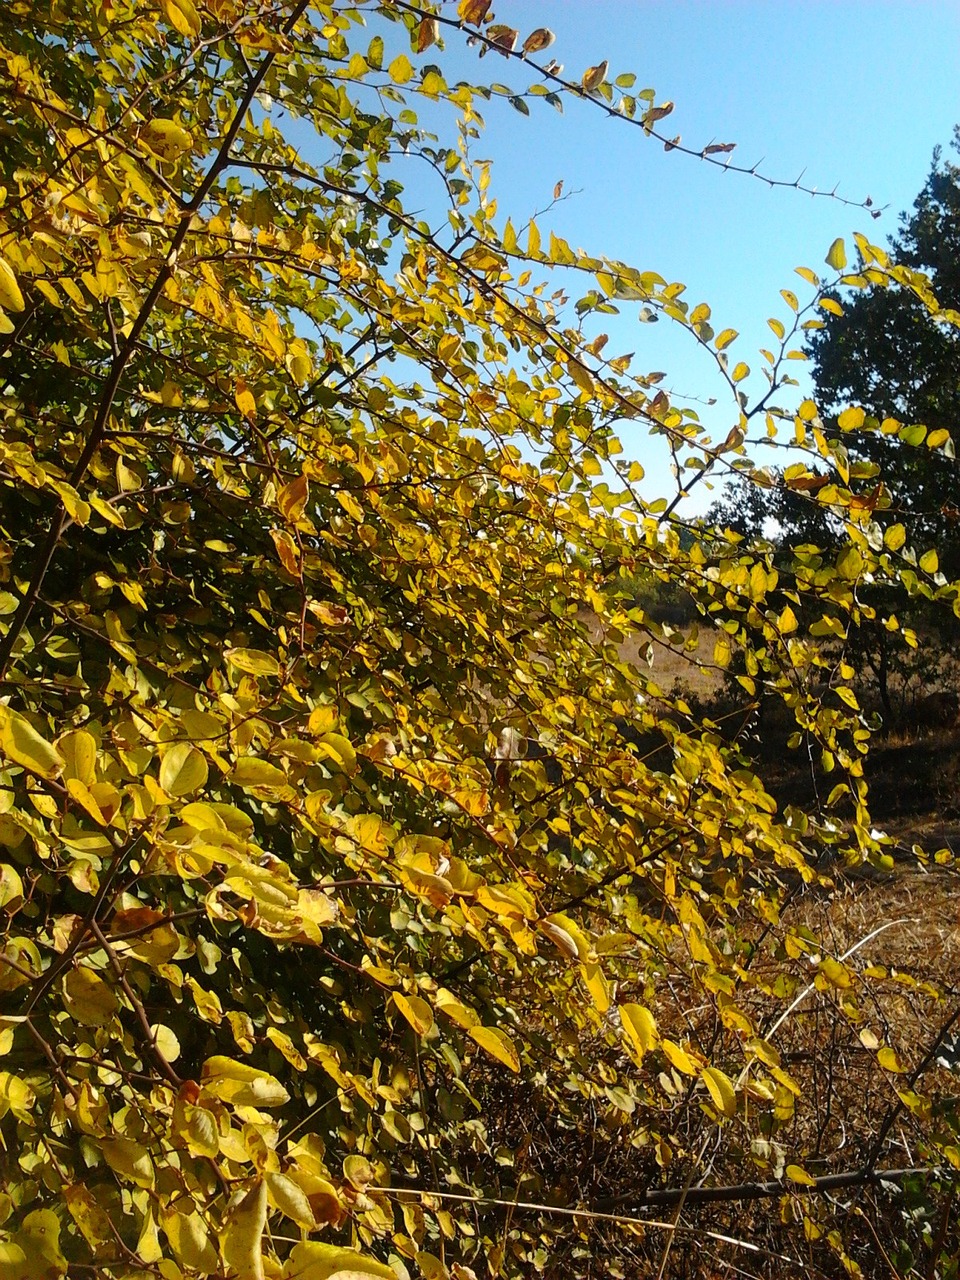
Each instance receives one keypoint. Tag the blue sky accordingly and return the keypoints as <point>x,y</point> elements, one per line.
<point>856,94</point>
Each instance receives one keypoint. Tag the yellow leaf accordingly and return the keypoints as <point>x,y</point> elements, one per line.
<point>350,505</point>
<point>722,650</point>
<point>254,662</point>
<point>79,752</point>
<point>641,1027</point>
<point>251,771</point>
<point>581,377</point>
<point>128,1160</point>
<point>835,973</point>
<point>312,1260</point>
<point>241,1240</point>
<point>561,938</point>
<point>20,742</point>
<point>507,900</point>
<point>292,498</point>
<point>338,749</point>
<point>190,1241</point>
<point>182,16</point>
<point>498,1044</point>
<point>11,887</point>
<point>563,931</point>
<point>358,1171</point>
<point>724,338</point>
<point>166,139</point>
<point>89,1215</point>
<point>836,255</point>
<point>851,419</point>
<point>11,299</point>
<point>598,986</point>
<point>183,769</point>
<point>16,1096</point>
<point>87,998</point>
<point>799,1175</point>
<point>241,1085</point>
<point>166,1041</point>
<point>290,1199</point>
<point>678,1057</point>
<point>890,1060</point>
<point>400,69</point>
<point>39,1240</point>
<point>763,1050</point>
<point>245,400</point>
<point>457,1012</point>
<point>721,1089</point>
<point>787,621</point>
<point>416,1011</point>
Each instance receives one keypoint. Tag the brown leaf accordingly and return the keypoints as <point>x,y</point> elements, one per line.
<point>428,33</point>
<point>594,77</point>
<point>474,11</point>
<point>538,40</point>
<point>504,37</point>
<point>658,113</point>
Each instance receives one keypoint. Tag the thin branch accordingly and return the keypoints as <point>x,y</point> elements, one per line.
<point>669,144</point>
<point>147,1031</point>
<point>908,1087</point>
<point>590,1215</point>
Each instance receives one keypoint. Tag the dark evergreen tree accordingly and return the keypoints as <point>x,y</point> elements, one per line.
<point>887,354</point>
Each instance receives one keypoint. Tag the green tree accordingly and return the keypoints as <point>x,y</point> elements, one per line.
<point>884,350</point>
<point>365,911</point>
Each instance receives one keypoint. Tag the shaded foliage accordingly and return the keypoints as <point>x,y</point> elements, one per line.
<point>307,970</point>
